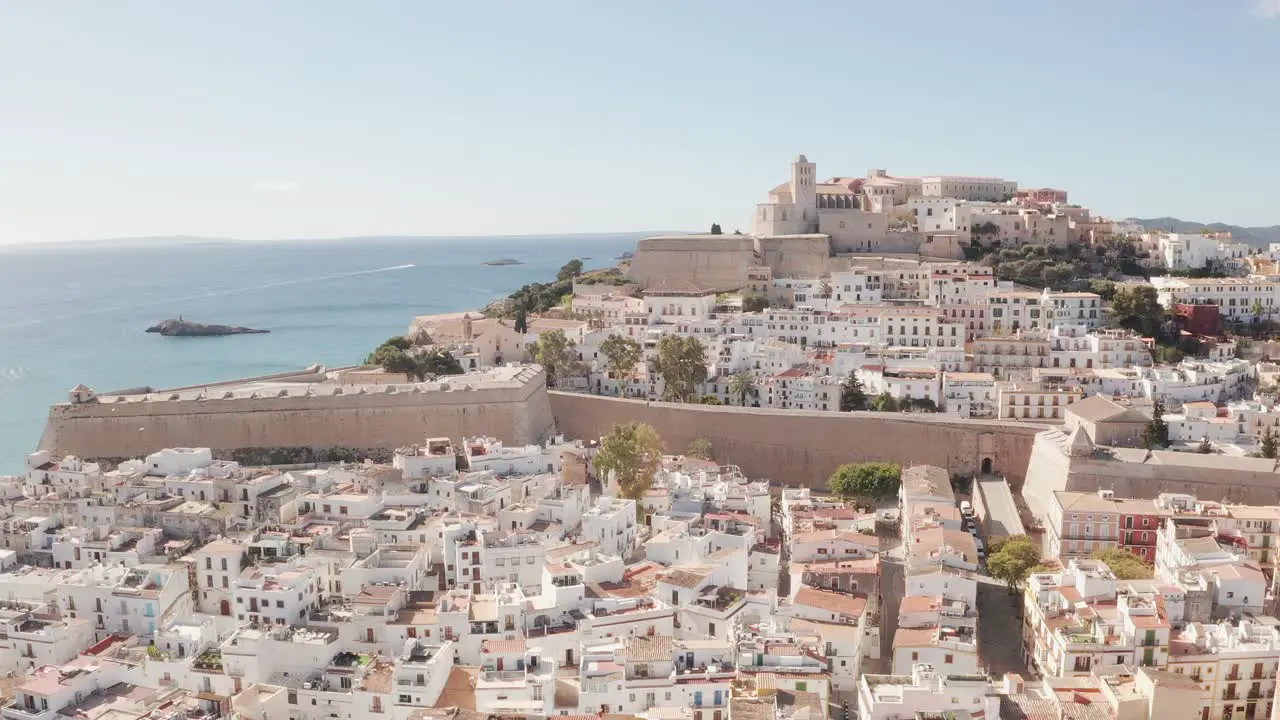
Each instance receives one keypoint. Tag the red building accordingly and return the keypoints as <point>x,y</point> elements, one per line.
<point>1197,319</point>
<point>1139,522</point>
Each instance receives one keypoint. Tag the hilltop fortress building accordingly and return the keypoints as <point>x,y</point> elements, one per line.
<point>808,227</point>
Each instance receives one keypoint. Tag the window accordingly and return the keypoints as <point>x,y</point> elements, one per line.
<point>948,659</point>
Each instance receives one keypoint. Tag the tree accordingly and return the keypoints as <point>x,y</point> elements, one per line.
<point>742,385</point>
<point>1257,310</point>
<point>885,402</point>
<point>1156,434</point>
<point>1205,447</point>
<point>682,362</point>
<point>1137,308</point>
<point>866,480</point>
<point>621,355</point>
<point>1269,444</point>
<point>633,452</point>
<point>709,400</point>
<point>852,395</point>
<point>393,360</point>
<point>715,229</point>
<point>570,270</point>
<point>1124,564</point>
<point>397,355</point>
<point>553,350</point>
<point>437,361</point>
<point>921,405</point>
<point>700,448</point>
<point>754,303</point>
<point>399,342</point>
<point>522,321</point>
<point>1013,560</point>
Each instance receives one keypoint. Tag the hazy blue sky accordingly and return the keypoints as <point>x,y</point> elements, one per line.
<point>290,118</point>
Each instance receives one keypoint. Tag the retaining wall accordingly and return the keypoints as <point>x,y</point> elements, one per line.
<point>804,448</point>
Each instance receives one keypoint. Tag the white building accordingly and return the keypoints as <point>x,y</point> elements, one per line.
<point>1181,251</point>
<point>1238,299</point>
<point>612,523</point>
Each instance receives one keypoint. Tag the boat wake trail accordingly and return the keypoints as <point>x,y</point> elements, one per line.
<point>214,293</point>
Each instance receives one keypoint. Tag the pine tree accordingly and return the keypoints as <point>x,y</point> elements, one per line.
<point>1269,444</point>
<point>1156,434</point>
<point>522,322</point>
<point>852,395</point>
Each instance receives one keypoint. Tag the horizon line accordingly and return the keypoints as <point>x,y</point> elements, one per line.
<point>192,239</point>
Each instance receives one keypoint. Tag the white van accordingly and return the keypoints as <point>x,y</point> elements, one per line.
<point>982,548</point>
<point>966,509</point>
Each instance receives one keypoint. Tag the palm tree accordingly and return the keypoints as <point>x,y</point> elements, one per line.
<point>742,385</point>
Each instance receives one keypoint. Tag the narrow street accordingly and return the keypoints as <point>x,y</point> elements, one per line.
<point>999,628</point>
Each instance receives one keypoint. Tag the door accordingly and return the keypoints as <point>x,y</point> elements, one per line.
<point>568,657</point>
<point>499,664</point>
<point>225,607</point>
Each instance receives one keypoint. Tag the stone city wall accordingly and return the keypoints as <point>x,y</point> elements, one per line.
<point>1141,480</point>
<point>802,447</point>
<point>707,262</point>
<point>1051,470</point>
<point>516,415</point>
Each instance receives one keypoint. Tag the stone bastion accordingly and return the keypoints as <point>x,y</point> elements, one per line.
<point>358,411</point>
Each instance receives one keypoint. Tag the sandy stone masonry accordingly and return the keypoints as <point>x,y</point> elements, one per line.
<point>317,408</point>
<point>797,447</point>
<point>348,408</point>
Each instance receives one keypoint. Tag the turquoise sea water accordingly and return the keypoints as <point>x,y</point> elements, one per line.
<point>77,313</point>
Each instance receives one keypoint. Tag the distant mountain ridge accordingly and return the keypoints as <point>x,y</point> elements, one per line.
<point>1257,236</point>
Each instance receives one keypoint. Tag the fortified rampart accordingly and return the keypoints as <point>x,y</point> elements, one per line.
<point>272,416</point>
<point>1142,474</point>
<point>802,447</point>
<point>796,255</point>
<point>281,412</point>
<point>720,262</point>
<point>711,262</point>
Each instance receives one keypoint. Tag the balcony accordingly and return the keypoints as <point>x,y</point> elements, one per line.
<point>21,712</point>
<point>502,676</point>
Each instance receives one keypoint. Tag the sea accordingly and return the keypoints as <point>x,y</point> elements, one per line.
<point>77,313</point>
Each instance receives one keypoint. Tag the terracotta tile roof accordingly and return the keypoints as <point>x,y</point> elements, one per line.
<point>504,647</point>
<point>649,648</point>
<point>687,577</point>
<point>848,605</point>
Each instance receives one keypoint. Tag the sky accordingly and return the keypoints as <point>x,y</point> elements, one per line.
<point>327,118</point>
